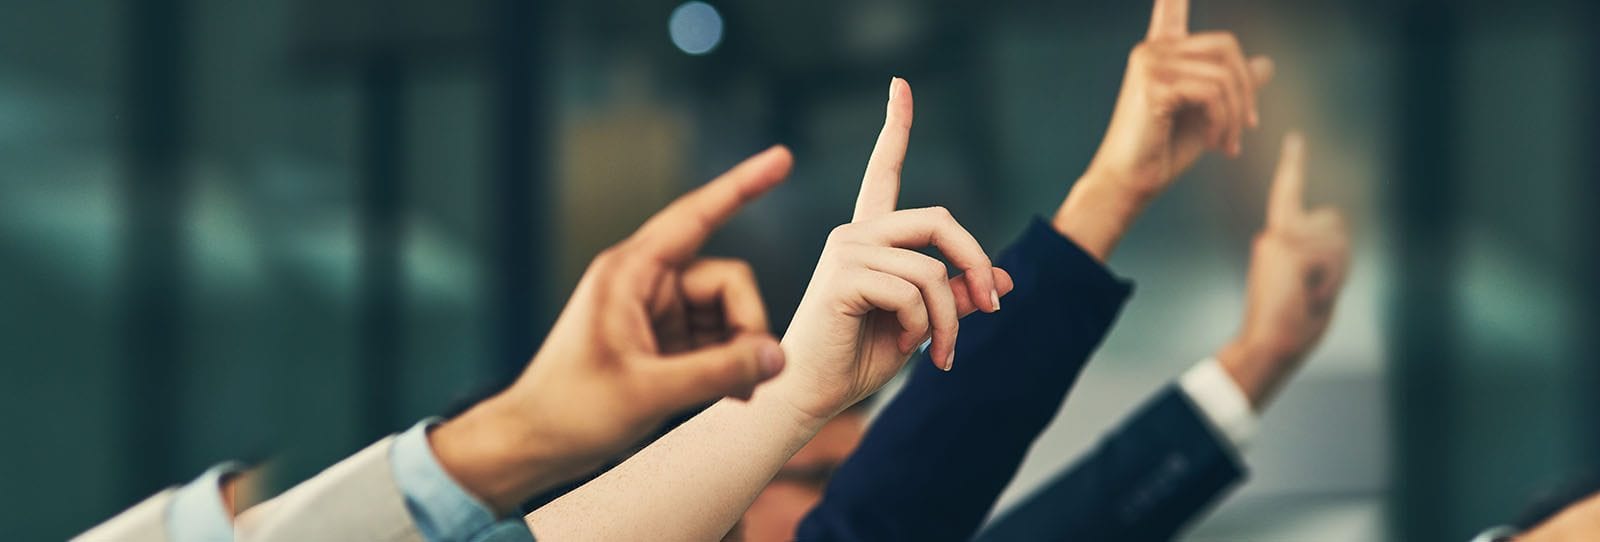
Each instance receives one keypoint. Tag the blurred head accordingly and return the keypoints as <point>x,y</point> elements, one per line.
<point>798,487</point>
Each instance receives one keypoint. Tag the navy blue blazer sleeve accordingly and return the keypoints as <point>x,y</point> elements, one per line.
<point>1153,475</point>
<point>938,456</point>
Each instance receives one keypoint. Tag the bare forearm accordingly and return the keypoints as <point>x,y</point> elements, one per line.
<point>691,485</point>
<point>1097,213</point>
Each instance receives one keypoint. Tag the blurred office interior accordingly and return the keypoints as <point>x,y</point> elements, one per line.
<point>281,229</point>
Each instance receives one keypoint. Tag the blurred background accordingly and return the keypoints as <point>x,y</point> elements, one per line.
<point>242,229</point>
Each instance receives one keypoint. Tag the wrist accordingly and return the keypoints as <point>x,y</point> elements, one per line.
<point>1253,366</point>
<point>795,404</point>
<point>1099,210</point>
<point>798,396</point>
<point>497,454</point>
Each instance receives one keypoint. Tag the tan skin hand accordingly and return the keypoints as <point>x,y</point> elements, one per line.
<point>873,296</point>
<point>1577,523</point>
<point>1182,94</point>
<point>1297,267</point>
<point>649,331</point>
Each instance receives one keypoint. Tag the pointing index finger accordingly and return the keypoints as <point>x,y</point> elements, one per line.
<point>1286,201</point>
<point>880,186</point>
<point>675,233</point>
<point>1170,19</point>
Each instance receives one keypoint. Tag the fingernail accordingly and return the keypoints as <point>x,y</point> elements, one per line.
<point>994,299</point>
<point>771,359</point>
<point>891,87</point>
<point>950,361</point>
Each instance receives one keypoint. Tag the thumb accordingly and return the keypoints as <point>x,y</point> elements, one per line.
<point>704,375</point>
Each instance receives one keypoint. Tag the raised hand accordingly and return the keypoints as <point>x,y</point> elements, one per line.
<point>873,298</point>
<point>1297,266</point>
<point>1182,94</point>
<point>649,331</point>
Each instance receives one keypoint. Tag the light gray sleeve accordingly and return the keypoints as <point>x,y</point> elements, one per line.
<point>356,499</point>
<point>144,522</point>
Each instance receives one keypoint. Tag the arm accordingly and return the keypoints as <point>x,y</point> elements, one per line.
<point>899,484</point>
<point>872,299</point>
<point>1144,481</point>
<point>199,510</point>
<point>937,456</point>
<point>1180,453</point>
<point>649,331</point>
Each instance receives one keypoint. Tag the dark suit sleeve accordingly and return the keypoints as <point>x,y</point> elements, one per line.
<point>1159,470</point>
<point>937,457</point>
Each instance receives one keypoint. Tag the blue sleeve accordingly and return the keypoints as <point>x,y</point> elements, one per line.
<point>1145,481</point>
<point>937,457</point>
<point>197,513</point>
<point>441,508</point>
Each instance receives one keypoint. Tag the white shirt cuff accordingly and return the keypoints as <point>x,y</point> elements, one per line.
<point>1221,402</point>
<point>197,512</point>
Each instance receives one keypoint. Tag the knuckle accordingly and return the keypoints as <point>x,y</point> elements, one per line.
<point>841,233</point>
<point>1146,53</point>
<point>607,260</point>
<point>1140,53</point>
<point>907,294</point>
<point>1260,241</point>
<point>740,269</point>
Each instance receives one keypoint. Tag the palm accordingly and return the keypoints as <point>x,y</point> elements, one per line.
<point>1151,138</point>
<point>865,337</point>
<point>1186,141</point>
<point>880,354</point>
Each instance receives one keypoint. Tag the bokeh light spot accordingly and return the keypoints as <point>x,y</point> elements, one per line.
<point>696,27</point>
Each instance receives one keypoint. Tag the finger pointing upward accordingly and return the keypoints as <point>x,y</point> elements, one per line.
<point>1286,201</point>
<point>1170,20</point>
<point>880,187</point>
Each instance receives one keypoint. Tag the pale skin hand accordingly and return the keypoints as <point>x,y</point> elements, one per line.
<point>873,297</point>
<point>1182,94</point>
<point>870,301</point>
<point>1297,267</point>
<point>1579,522</point>
<point>649,331</point>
